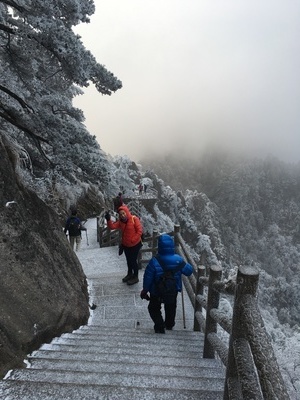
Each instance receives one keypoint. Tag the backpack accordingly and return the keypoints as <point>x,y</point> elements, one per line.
<point>74,226</point>
<point>133,218</point>
<point>166,286</point>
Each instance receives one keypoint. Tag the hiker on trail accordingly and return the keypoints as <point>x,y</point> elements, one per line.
<point>74,227</point>
<point>145,188</point>
<point>118,201</point>
<point>131,243</point>
<point>140,188</point>
<point>165,262</point>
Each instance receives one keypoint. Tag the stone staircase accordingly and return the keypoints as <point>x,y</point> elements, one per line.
<point>118,355</point>
<point>104,363</point>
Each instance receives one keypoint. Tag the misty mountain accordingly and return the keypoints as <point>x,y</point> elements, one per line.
<point>250,209</point>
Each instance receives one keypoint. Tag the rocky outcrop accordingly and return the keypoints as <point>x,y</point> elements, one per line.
<point>43,290</point>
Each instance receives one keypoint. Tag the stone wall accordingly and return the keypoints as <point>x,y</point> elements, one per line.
<point>43,290</point>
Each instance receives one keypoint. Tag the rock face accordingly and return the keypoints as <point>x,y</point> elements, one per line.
<point>43,290</point>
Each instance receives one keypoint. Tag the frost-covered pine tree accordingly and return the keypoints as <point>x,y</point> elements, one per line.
<point>43,66</point>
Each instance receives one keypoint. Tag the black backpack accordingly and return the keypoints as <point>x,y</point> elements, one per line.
<point>74,227</point>
<point>166,286</point>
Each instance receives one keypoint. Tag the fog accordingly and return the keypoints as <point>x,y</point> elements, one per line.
<point>196,75</point>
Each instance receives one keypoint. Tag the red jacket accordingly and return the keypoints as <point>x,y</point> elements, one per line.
<point>131,229</point>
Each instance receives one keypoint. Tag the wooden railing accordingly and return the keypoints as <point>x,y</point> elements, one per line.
<point>252,371</point>
<point>105,236</point>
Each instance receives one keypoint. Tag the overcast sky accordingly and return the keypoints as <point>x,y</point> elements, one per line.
<point>196,74</point>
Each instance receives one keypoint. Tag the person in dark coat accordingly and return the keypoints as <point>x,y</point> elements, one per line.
<point>118,201</point>
<point>152,274</point>
<point>74,227</point>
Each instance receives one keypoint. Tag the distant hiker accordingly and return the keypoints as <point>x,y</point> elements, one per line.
<point>140,188</point>
<point>145,188</point>
<point>166,262</point>
<point>131,243</point>
<point>74,227</point>
<point>118,201</point>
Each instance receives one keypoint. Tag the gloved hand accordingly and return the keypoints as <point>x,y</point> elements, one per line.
<point>144,295</point>
<point>107,216</point>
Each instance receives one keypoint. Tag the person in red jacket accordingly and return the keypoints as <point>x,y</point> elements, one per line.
<point>132,230</point>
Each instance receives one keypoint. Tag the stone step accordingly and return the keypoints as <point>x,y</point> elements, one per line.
<point>100,330</point>
<point>128,367</point>
<point>96,327</point>
<point>141,380</point>
<point>18,390</point>
<point>143,350</point>
<point>145,323</point>
<point>143,342</point>
<point>124,357</point>
<point>169,339</point>
<point>128,312</point>
<point>137,343</point>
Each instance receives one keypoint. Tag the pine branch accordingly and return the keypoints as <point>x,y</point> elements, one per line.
<point>12,4</point>
<point>36,138</point>
<point>7,29</point>
<point>16,97</point>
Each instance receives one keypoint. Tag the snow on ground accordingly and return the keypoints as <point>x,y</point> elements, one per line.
<point>96,260</point>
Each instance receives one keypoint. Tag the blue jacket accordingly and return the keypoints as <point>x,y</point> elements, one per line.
<point>166,252</point>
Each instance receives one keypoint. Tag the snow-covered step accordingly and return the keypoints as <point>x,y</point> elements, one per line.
<point>100,329</point>
<point>127,367</point>
<point>98,332</point>
<point>159,366</point>
<point>127,357</point>
<point>19,390</point>
<point>141,346</point>
<point>143,379</point>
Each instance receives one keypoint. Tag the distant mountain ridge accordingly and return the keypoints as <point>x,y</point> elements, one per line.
<point>251,214</point>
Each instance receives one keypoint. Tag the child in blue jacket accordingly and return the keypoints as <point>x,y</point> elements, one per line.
<point>154,270</point>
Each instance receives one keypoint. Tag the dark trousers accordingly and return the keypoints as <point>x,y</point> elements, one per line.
<point>131,254</point>
<point>154,308</point>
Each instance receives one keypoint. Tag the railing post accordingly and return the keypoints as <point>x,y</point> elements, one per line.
<point>97,227</point>
<point>246,284</point>
<point>109,236</point>
<point>203,260</point>
<point>100,236</point>
<point>139,260</point>
<point>154,242</point>
<point>213,298</point>
<point>176,231</point>
<point>199,290</point>
<point>100,228</point>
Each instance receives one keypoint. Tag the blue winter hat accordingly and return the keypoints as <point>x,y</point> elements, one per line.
<point>166,244</point>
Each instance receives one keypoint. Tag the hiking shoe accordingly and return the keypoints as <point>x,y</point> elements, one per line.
<point>132,280</point>
<point>126,278</point>
<point>169,328</point>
